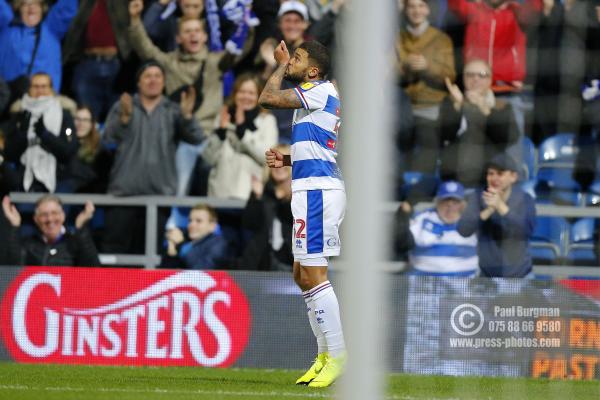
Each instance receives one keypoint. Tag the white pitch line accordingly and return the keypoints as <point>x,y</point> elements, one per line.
<point>187,392</point>
<point>159,390</point>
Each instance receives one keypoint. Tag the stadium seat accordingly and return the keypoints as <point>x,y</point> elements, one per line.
<point>558,150</point>
<point>528,187</point>
<point>556,158</point>
<point>549,240</point>
<point>412,177</point>
<point>580,250</point>
<point>558,186</point>
<point>592,198</point>
<point>529,158</point>
<point>418,185</point>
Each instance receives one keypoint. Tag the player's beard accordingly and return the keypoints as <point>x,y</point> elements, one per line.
<point>296,78</point>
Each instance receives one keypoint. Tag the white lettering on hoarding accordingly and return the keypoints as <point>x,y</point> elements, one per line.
<point>113,329</point>
<point>52,317</point>
<point>155,327</point>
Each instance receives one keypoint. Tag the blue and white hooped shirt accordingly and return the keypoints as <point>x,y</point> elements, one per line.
<point>314,138</point>
<point>439,248</point>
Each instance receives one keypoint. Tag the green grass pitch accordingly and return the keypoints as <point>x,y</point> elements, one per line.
<point>48,382</point>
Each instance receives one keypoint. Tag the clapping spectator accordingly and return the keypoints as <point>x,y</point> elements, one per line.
<point>146,129</point>
<point>235,150</point>
<point>425,60</point>
<point>495,33</point>
<point>190,65</point>
<point>30,36</point>
<point>205,247</point>
<point>54,244</point>
<point>503,217</point>
<point>474,126</point>
<point>39,139</point>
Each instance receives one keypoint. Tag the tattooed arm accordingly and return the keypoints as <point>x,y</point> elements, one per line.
<point>272,96</point>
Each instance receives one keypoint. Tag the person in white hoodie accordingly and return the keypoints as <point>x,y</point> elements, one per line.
<point>236,148</point>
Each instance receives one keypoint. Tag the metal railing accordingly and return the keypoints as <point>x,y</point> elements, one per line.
<point>151,259</point>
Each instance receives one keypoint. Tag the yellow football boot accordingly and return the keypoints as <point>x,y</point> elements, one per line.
<point>330,372</point>
<point>314,369</point>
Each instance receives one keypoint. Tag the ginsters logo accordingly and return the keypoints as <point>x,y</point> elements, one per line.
<point>125,317</point>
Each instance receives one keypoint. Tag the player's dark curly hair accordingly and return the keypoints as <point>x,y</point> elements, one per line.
<point>318,55</point>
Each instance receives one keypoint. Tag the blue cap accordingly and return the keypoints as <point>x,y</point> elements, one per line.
<point>450,190</point>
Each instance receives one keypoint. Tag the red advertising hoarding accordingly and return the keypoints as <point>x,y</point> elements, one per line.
<point>125,317</point>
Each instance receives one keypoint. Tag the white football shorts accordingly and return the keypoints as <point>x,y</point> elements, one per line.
<point>318,215</point>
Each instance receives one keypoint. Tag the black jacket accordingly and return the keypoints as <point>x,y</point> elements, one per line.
<point>258,219</point>
<point>72,249</point>
<point>91,176</point>
<point>63,147</point>
<point>465,152</point>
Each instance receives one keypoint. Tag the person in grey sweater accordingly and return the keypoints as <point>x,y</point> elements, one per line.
<point>146,130</point>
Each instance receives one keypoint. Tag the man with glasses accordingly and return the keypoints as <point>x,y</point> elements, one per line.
<point>474,126</point>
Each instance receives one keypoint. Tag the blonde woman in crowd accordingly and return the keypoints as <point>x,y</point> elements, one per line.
<point>235,149</point>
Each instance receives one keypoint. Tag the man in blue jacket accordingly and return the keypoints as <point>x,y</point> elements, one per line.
<point>206,248</point>
<point>503,216</point>
<point>19,27</point>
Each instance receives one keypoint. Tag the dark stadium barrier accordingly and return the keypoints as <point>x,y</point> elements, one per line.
<point>500,327</point>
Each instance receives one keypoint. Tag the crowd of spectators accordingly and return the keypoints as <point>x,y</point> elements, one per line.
<point>159,97</point>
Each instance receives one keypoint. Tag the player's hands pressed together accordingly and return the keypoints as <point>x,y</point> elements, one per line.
<point>281,54</point>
